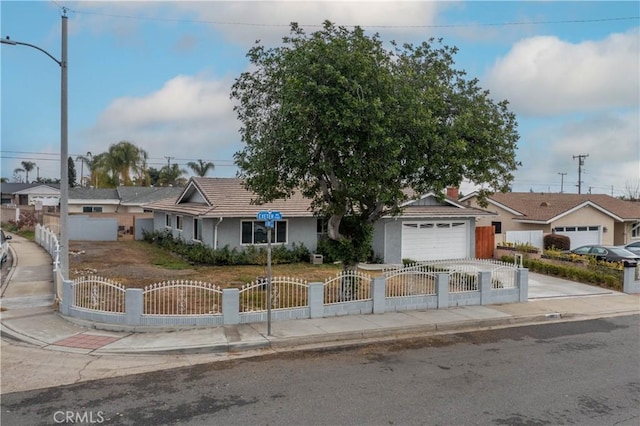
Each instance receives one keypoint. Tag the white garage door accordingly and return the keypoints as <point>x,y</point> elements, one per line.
<point>434,240</point>
<point>580,235</point>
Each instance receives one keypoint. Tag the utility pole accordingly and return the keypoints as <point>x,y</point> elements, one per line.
<point>562,174</point>
<point>580,158</point>
<point>168,161</point>
<point>64,150</point>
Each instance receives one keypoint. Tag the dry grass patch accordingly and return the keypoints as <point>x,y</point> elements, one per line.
<point>137,264</point>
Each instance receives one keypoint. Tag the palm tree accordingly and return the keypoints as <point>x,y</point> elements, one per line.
<point>27,166</point>
<point>102,171</point>
<point>172,176</point>
<point>201,168</point>
<point>126,158</point>
<point>16,174</point>
<point>117,164</point>
<point>88,159</point>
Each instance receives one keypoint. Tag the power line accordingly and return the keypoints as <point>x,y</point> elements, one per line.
<point>253,24</point>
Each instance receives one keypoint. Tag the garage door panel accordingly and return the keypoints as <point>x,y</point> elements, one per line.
<point>580,235</point>
<point>434,240</point>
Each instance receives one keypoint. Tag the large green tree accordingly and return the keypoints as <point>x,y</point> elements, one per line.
<point>356,127</point>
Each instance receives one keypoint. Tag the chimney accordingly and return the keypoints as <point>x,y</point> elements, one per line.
<point>452,192</point>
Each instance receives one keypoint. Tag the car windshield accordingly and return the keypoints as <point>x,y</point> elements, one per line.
<point>621,252</point>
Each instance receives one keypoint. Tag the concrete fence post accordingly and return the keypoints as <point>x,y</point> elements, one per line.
<point>484,285</point>
<point>230,306</point>
<point>67,297</point>
<point>316,300</point>
<point>522,280</point>
<point>378,294</point>
<point>133,306</point>
<point>442,290</point>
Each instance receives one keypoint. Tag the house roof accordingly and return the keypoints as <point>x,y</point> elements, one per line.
<point>144,194</point>
<point>110,194</point>
<point>443,211</point>
<point>227,197</point>
<point>14,187</point>
<point>126,195</point>
<point>542,207</point>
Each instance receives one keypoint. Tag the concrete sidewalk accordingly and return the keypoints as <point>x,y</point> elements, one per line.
<point>28,316</point>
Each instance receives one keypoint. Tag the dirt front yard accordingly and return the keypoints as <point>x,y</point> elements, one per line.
<point>138,264</point>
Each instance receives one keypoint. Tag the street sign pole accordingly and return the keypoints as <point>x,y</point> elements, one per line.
<point>269,281</point>
<point>270,219</point>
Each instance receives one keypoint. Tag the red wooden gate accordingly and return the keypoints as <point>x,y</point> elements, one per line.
<point>485,242</point>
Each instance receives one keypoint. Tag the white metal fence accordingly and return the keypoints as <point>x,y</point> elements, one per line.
<point>285,293</point>
<point>411,280</point>
<point>463,275</point>
<point>98,294</point>
<point>182,297</point>
<point>347,286</point>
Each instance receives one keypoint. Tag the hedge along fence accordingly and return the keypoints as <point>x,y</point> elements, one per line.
<point>591,274</point>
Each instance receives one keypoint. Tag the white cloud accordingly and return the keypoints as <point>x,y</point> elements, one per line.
<point>244,22</point>
<point>189,117</point>
<point>544,75</point>
<point>610,140</point>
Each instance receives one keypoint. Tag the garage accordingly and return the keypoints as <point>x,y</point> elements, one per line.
<point>580,235</point>
<point>434,240</point>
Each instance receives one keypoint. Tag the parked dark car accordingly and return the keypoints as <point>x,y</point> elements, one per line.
<point>633,247</point>
<point>608,253</point>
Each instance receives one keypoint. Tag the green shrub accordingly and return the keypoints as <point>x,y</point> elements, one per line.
<point>597,273</point>
<point>556,241</point>
<point>251,255</point>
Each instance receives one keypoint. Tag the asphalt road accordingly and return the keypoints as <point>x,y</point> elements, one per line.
<point>583,373</point>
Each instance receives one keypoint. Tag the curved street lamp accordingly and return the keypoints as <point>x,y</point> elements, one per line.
<point>64,170</point>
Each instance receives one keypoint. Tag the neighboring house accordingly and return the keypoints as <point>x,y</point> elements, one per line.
<point>219,212</point>
<point>584,218</point>
<point>124,199</point>
<point>28,194</point>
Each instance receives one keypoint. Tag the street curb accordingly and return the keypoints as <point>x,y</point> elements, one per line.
<point>360,338</point>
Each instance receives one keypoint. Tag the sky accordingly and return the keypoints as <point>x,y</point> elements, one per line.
<point>158,74</point>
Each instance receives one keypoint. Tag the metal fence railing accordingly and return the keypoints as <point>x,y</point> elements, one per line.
<point>98,294</point>
<point>286,293</point>
<point>347,286</point>
<point>182,297</point>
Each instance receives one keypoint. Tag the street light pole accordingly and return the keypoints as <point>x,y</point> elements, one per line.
<point>64,150</point>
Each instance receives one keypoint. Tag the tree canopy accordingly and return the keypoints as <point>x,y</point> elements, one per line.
<point>115,166</point>
<point>357,127</point>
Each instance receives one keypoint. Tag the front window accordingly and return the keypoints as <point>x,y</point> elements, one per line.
<point>167,220</point>
<point>197,229</point>
<point>497,226</point>
<point>635,230</point>
<point>179,223</point>
<point>256,233</point>
<point>91,209</point>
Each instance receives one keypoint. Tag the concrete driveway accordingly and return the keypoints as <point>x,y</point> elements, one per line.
<point>545,287</point>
